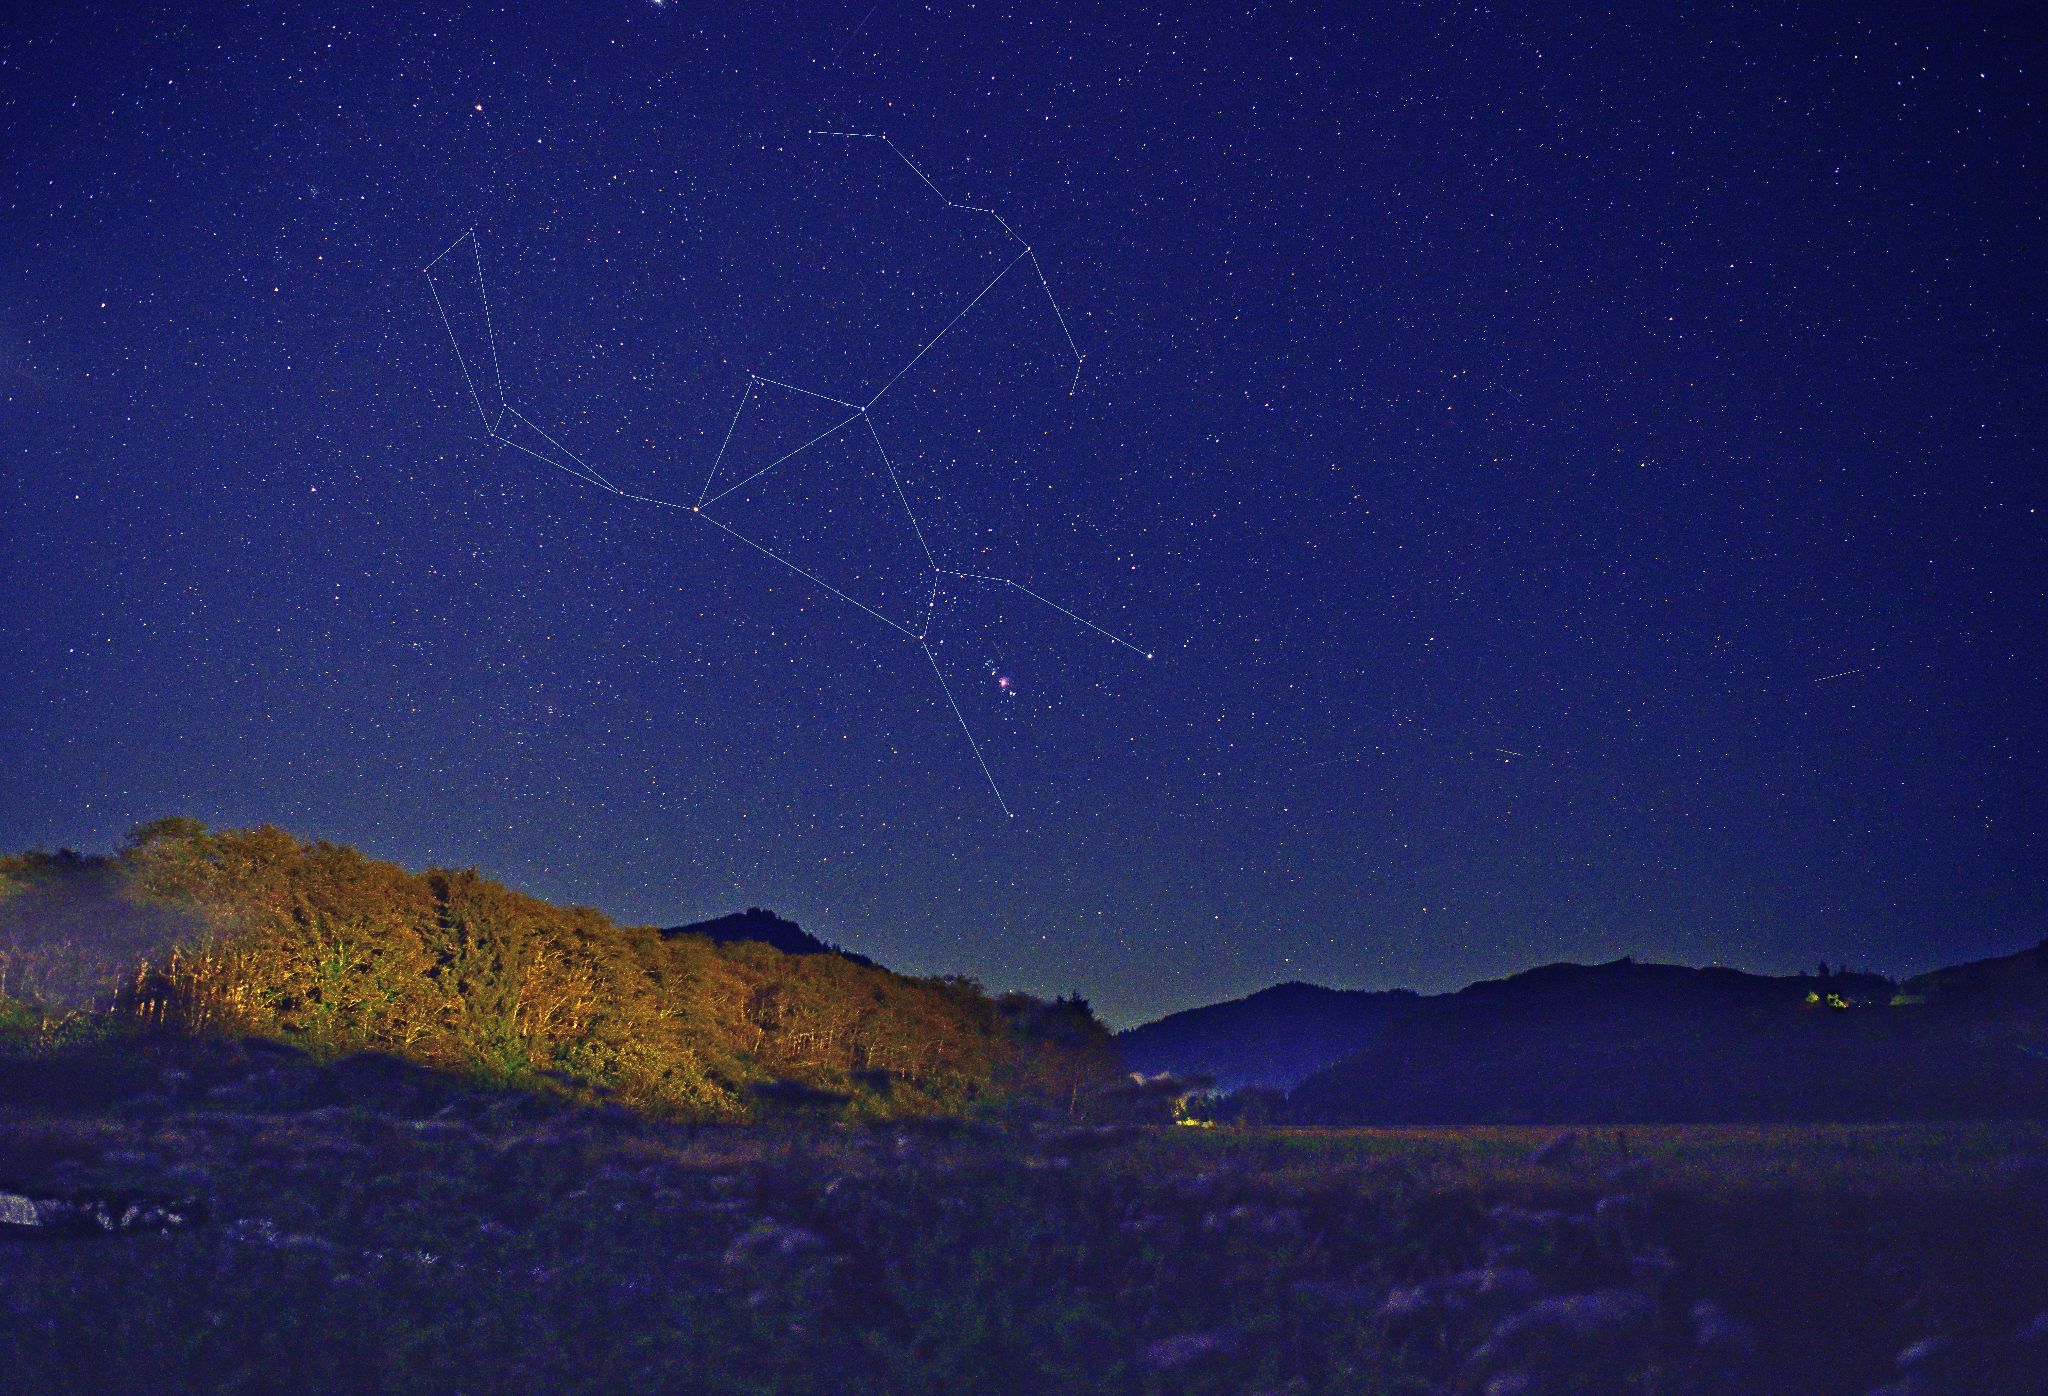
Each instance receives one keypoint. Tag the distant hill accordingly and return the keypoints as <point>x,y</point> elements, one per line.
<point>1627,1042</point>
<point>2017,980</point>
<point>765,928</point>
<point>1277,1037</point>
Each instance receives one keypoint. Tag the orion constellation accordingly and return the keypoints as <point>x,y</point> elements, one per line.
<point>506,425</point>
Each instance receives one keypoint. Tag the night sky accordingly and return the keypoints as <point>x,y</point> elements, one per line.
<point>1581,477</point>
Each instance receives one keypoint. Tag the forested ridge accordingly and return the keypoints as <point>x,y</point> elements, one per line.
<point>255,932</point>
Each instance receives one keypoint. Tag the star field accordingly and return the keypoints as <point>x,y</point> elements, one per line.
<point>1581,478</point>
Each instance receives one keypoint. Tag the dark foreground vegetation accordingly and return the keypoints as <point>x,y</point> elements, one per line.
<point>275,1116</point>
<point>224,1215</point>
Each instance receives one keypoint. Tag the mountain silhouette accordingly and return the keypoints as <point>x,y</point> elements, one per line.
<point>1275,1038</point>
<point>1627,1042</point>
<point>2013,981</point>
<point>766,928</point>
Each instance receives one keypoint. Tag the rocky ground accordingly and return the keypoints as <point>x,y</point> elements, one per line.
<point>236,1217</point>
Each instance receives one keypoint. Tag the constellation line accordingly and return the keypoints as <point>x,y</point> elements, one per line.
<point>942,333</point>
<point>832,430</point>
<point>1011,582</point>
<point>965,730</point>
<point>572,464</point>
<point>1008,231</point>
<point>719,459</point>
<point>810,576</point>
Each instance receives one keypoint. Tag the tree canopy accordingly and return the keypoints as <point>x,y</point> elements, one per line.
<point>253,931</point>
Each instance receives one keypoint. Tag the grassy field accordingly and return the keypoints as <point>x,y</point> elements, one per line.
<point>370,1227</point>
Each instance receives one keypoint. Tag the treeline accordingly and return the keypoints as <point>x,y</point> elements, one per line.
<point>252,931</point>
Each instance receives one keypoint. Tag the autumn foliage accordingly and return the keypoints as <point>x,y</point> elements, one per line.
<point>318,944</point>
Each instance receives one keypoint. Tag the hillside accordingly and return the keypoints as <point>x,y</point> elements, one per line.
<point>1275,1038</point>
<point>189,930</point>
<point>2018,982</point>
<point>1626,1042</point>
